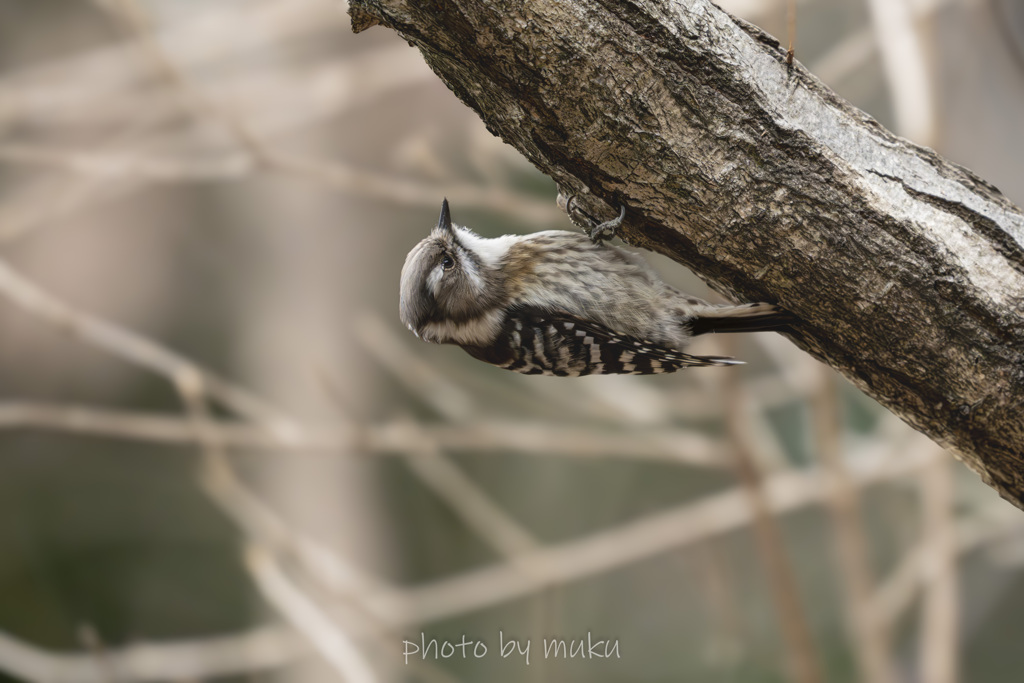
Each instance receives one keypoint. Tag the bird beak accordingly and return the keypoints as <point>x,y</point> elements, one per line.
<point>445,221</point>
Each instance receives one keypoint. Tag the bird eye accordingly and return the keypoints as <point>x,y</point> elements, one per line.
<point>447,262</point>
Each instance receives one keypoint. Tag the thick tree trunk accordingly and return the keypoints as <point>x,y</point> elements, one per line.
<point>906,271</point>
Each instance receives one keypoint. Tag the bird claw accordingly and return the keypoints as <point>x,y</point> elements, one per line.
<point>598,232</point>
<point>606,231</point>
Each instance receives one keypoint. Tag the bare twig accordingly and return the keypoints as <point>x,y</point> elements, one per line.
<point>333,174</point>
<point>939,645</point>
<point>135,349</point>
<point>442,394</point>
<point>802,656</point>
<point>90,639</point>
<point>260,649</point>
<point>619,546</point>
<point>324,91</point>
<point>471,504</point>
<point>851,546</point>
<point>905,68</point>
<point>627,543</point>
<point>333,643</point>
<point>482,436</point>
<point>251,513</point>
<point>136,168</point>
<point>43,202</point>
<point>853,51</point>
<point>308,618</point>
<point>896,594</point>
<point>65,89</point>
<point>726,638</point>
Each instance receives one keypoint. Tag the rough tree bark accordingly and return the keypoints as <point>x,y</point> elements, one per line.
<point>906,271</point>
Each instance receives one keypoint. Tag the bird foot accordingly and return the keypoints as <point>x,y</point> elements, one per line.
<point>597,231</point>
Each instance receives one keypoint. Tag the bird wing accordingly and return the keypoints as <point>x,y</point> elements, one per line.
<point>538,342</point>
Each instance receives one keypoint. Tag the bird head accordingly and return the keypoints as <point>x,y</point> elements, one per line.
<point>446,280</point>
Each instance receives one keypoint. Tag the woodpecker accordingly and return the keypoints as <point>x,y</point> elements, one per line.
<point>559,303</point>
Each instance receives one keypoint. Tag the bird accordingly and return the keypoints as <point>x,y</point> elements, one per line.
<point>560,303</point>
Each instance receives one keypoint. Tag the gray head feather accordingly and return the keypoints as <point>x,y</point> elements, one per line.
<point>443,281</point>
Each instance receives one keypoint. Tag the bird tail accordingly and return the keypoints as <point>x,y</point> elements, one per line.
<point>746,318</point>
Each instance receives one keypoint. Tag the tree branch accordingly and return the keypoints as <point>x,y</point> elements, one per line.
<point>906,271</point>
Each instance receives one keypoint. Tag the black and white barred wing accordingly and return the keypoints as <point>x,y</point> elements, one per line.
<point>537,343</point>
